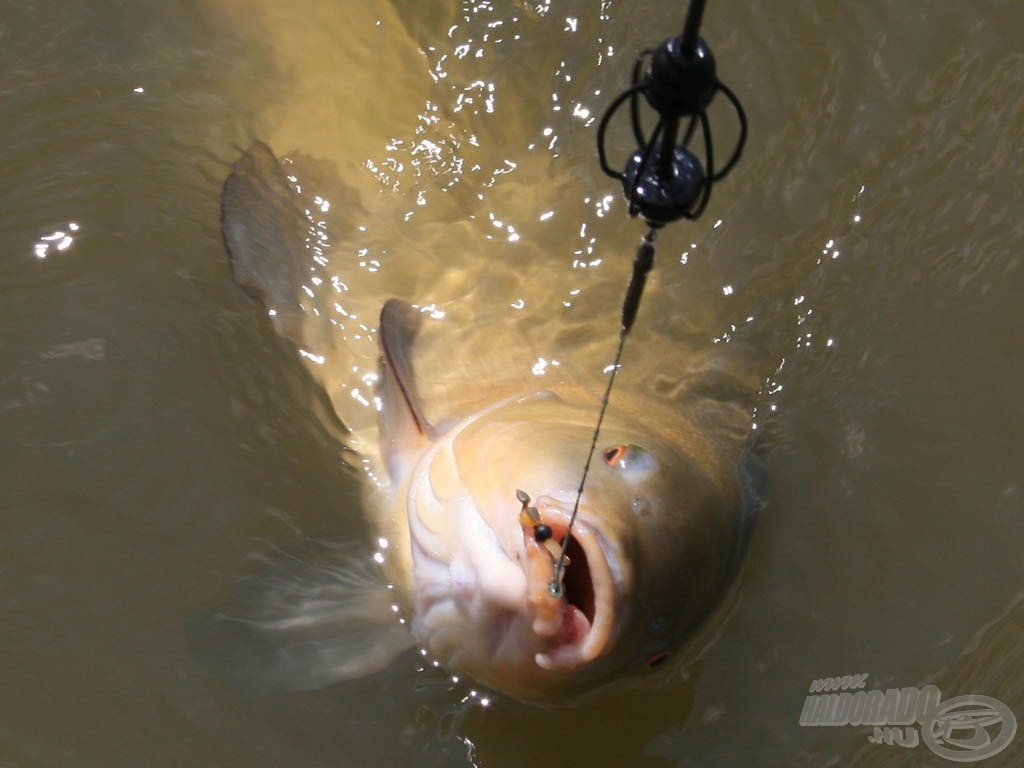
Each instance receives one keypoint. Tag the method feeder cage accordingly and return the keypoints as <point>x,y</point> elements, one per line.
<point>663,181</point>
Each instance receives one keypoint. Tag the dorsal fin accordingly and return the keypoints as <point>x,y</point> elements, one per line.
<point>264,233</point>
<point>285,224</point>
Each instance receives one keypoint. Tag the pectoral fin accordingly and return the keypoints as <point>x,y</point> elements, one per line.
<point>304,621</point>
<point>403,426</point>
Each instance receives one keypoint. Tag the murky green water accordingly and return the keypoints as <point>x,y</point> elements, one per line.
<point>154,432</point>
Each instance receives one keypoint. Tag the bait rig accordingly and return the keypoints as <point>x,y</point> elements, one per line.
<point>663,181</point>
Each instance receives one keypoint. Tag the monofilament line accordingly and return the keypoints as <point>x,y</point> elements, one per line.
<point>641,266</point>
<point>555,587</point>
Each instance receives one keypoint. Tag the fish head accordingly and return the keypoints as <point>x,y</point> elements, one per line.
<point>650,550</point>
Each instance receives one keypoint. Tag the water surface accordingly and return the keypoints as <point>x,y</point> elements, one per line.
<point>156,434</point>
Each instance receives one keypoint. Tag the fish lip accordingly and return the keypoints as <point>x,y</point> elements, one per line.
<point>604,570</point>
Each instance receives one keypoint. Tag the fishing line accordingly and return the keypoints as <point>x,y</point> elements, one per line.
<point>642,265</point>
<point>663,180</point>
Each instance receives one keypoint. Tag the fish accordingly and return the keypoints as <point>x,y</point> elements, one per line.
<point>471,473</point>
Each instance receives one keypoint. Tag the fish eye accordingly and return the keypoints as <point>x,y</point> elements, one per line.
<point>657,660</point>
<point>614,455</point>
<point>629,457</point>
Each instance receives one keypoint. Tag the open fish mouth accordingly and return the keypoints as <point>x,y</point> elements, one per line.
<point>576,627</point>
